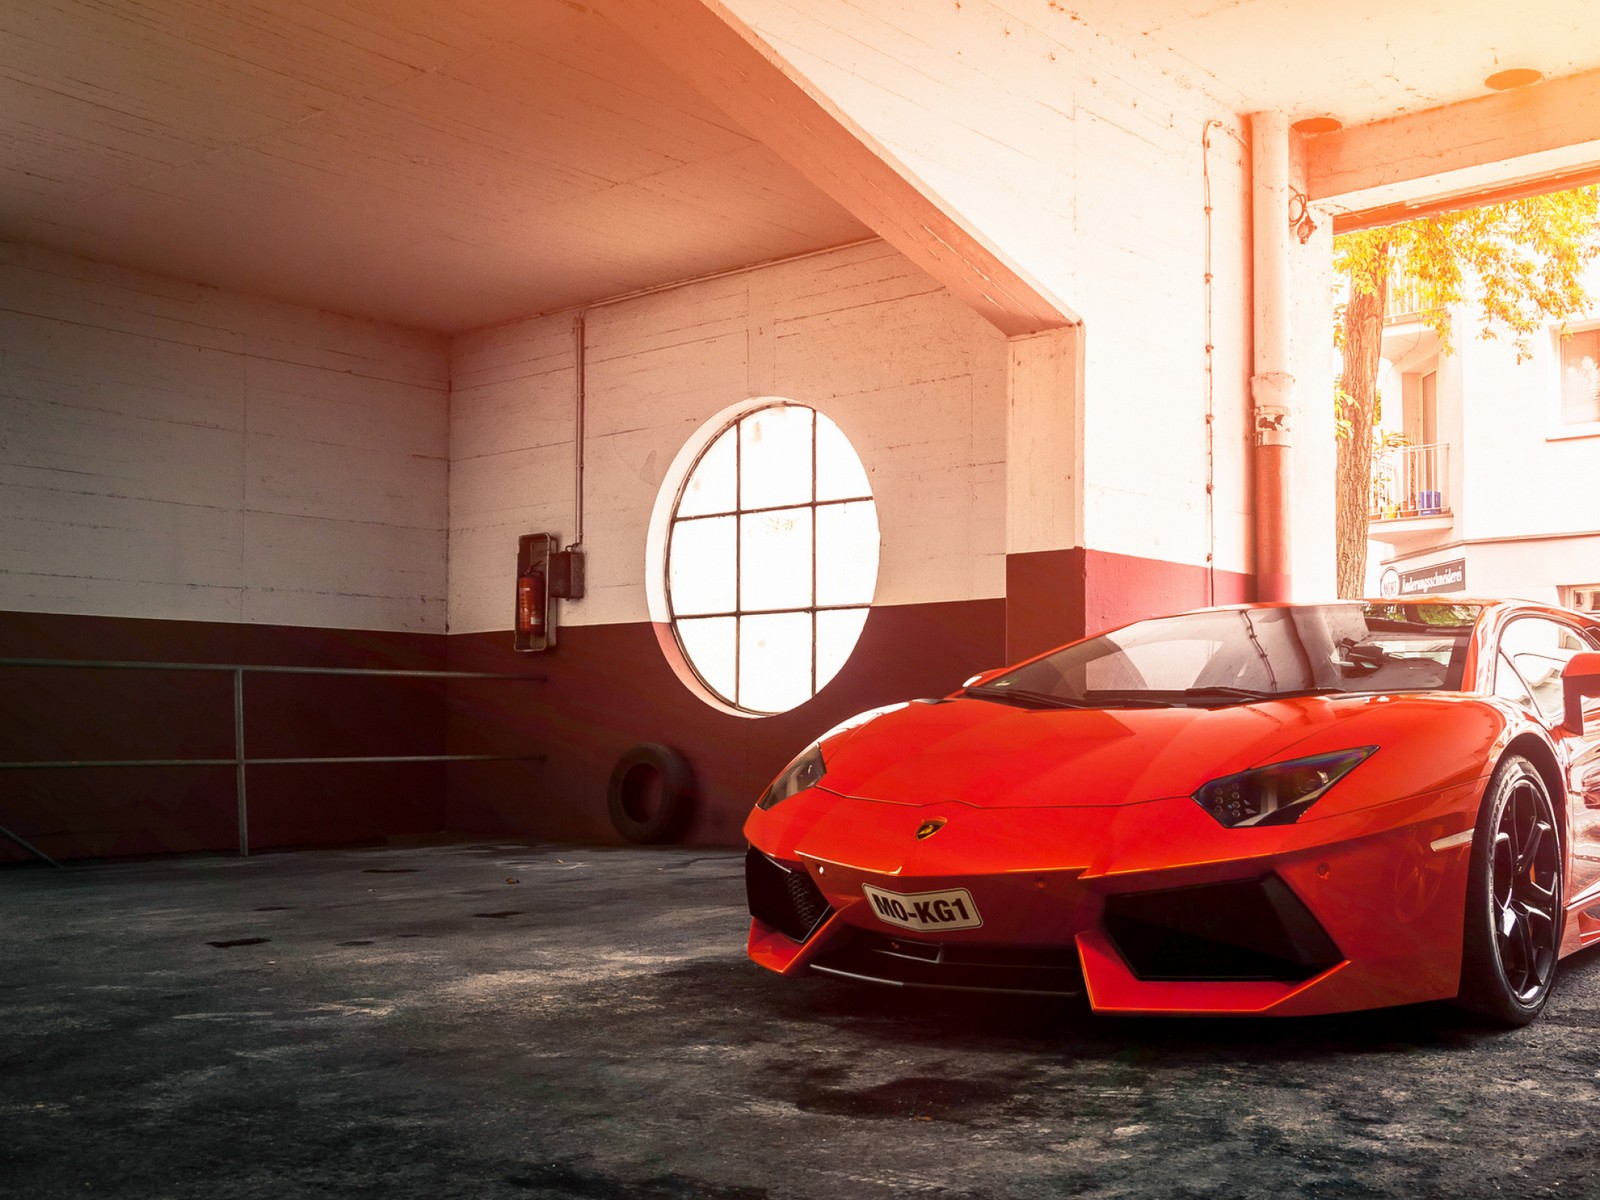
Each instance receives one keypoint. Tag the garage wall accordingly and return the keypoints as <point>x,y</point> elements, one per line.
<point>1084,160</point>
<point>190,476</point>
<point>911,376</point>
<point>194,476</point>
<point>914,380</point>
<point>175,451</point>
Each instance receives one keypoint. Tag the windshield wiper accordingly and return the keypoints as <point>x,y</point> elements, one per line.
<point>1109,699</point>
<point>1024,698</point>
<point>1226,692</point>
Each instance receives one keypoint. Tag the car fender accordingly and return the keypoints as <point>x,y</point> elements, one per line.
<point>1520,730</point>
<point>1423,744</point>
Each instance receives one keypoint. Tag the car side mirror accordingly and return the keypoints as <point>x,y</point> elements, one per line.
<point>1580,678</point>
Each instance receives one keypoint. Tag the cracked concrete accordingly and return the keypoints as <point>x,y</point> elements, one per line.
<point>512,1021</point>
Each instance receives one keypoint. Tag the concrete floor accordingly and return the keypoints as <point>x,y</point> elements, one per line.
<point>506,1021</point>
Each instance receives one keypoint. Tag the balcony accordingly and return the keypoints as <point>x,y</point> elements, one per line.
<point>1408,486</point>
<point>1405,300</point>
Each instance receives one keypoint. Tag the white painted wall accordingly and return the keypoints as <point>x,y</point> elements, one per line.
<point>170,450</point>
<point>1082,160</point>
<point>912,377</point>
<point>1522,473</point>
<point>1533,569</point>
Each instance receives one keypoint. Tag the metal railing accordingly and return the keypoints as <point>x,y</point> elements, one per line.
<point>1406,299</point>
<point>1408,481</point>
<point>240,760</point>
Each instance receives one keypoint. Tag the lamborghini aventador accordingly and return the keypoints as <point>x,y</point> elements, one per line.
<point>1276,809</point>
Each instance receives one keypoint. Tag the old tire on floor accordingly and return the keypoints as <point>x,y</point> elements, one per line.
<point>651,795</point>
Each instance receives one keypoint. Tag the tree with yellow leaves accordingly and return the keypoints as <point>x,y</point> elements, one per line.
<point>1521,261</point>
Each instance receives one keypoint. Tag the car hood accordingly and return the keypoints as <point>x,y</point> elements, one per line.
<point>994,755</point>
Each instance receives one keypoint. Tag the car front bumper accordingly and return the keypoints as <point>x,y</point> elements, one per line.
<point>1144,908</point>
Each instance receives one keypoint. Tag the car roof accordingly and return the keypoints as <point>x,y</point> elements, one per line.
<point>1496,609</point>
<point>1496,602</point>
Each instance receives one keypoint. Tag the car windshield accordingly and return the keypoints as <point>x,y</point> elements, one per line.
<point>1239,655</point>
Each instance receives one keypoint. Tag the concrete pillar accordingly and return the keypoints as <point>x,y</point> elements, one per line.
<point>1271,384</point>
<point>1044,491</point>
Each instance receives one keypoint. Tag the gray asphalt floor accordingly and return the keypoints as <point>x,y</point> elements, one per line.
<point>509,1021</point>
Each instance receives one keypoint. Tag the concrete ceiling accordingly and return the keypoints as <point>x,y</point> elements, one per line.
<point>447,164</point>
<point>451,164</point>
<point>1356,60</point>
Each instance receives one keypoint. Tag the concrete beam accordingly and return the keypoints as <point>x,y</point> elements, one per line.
<point>1044,442</point>
<point>1544,135</point>
<point>727,62</point>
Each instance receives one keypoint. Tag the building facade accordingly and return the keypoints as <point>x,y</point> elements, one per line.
<point>1484,483</point>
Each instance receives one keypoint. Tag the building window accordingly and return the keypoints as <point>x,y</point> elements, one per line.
<point>1584,598</point>
<point>1580,376</point>
<point>771,557</point>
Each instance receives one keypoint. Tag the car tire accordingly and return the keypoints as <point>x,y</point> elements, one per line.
<point>1512,937</point>
<point>651,795</point>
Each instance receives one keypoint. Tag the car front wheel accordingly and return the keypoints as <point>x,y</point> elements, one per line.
<point>1514,899</point>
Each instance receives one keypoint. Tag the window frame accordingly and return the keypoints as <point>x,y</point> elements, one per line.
<point>732,426</point>
<point>1560,428</point>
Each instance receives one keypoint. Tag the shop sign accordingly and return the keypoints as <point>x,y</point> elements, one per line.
<point>1423,581</point>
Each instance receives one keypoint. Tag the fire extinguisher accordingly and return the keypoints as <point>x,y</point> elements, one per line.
<point>531,603</point>
<point>543,576</point>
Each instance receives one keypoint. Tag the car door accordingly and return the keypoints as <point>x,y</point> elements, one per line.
<point>1533,652</point>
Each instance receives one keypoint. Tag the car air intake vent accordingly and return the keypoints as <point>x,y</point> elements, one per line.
<point>903,962</point>
<point>783,897</point>
<point>1255,929</point>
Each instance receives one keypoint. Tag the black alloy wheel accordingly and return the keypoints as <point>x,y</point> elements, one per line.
<point>1514,898</point>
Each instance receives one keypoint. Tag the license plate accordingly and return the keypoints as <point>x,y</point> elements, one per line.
<point>924,911</point>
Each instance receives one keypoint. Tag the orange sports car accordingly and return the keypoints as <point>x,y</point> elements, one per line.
<point>1274,808</point>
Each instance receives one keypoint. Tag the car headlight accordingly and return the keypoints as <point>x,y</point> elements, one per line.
<point>806,769</point>
<point>1277,794</point>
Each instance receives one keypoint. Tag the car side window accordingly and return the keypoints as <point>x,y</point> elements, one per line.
<point>1539,649</point>
<point>1508,684</point>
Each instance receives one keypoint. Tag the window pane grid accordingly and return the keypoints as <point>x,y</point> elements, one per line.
<point>738,563</point>
<point>750,512</point>
<point>758,603</point>
<point>768,612</point>
<point>813,564</point>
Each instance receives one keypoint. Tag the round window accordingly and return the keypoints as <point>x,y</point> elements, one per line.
<point>768,556</point>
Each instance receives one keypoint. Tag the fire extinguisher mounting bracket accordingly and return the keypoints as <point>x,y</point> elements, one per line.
<point>533,617</point>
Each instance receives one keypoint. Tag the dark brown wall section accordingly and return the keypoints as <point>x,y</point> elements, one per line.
<point>53,714</point>
<point>606,689</point>
<point>1044,600</point>
<point>1053,596</point>
<point>610,688</point>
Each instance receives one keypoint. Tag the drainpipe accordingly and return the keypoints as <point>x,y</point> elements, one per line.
<point>1271,385</point>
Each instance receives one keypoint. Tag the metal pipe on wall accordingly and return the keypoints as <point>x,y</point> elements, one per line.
<point>1271,383</point>
<point>580,400</point>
